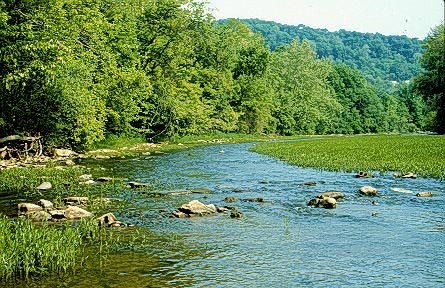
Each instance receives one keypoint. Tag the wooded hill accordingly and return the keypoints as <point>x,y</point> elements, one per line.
<point>380,58</point>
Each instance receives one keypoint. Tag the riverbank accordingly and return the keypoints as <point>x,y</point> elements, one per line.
<point>420,154</point>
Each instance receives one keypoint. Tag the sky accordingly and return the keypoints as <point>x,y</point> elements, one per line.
<point>413,18</point>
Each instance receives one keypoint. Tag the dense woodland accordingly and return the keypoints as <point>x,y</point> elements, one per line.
<point>76,71</point>
<point>380,58</point>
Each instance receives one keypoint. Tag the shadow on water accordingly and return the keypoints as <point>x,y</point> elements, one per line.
<point>280,243</point>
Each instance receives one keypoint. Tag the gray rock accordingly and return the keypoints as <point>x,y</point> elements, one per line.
<point>39,216</point>
<point>57,215</point>
<point>108,220</point>
<point>201,190</point>
<point>195,207</point>
<point>85,177</point>
<point>45,186</point>
<point>258,200</point>
<point>63,153</point>
<point>74,212</point>
<point>362,174</point>
<point>45,204</point>
<point>368,191</point>
<point>323,202</point>
<point>230,199</point>
<point>425,194</point>
<point>26,208</point>
<point>332,194</point>
<point>88,182</point>
<point>236,215</point>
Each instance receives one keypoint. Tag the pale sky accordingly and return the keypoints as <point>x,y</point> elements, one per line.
<point>413,18</point>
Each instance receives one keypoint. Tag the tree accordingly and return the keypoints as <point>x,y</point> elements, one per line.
<point>431,83</point>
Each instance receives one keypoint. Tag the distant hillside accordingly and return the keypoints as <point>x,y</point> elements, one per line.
<point>380,58</point>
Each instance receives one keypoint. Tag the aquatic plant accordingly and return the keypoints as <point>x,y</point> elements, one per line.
<point>421,154</point>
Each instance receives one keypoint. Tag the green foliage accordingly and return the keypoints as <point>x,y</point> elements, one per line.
<point>75,71</point>
<point>364,153</point>
<point>431,83</point>
<point>380,58</point>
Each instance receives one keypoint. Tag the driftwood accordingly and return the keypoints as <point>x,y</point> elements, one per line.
<point>16,146</point>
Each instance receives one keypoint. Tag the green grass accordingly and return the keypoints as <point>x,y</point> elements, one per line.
<point>114,142</point>
<point>421,154</point>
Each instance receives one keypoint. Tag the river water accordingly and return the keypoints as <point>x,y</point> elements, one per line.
<point>279,243</point>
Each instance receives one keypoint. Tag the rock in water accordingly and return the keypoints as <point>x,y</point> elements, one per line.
<point>195,207</point>
<point>236,215</point>
<point>323,202</point>
<point>230,199</point>
<point>74,212</point>
<point>45,186</point>
<point>63,153</point>
<point>332,194</point>
<point>104,179</point>
<point>25,208</point>
<point>135,185</point>
<point>75,200</point>
<point>362,174</point>
<point>368,191</point>
<point>201,190</point>
<point>425,194</point>
<point>401,190</point>
<point>45,204</point>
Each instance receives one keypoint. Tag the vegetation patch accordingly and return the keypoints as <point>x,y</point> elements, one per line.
<point>424,155</point>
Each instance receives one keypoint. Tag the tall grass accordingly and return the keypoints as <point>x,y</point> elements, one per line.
<point>424,155</point>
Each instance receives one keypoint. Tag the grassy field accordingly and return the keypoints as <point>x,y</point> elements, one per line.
<point>422,154</point>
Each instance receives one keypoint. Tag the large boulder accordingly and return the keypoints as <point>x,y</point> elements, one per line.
<point>196,208</point>
<point>26,208</point>
<point>323,202</point>
<point>368,191</point>
<point>74,212</point>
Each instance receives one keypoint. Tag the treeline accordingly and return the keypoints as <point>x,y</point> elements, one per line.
<point>75,71</point>
<point>380,58</point>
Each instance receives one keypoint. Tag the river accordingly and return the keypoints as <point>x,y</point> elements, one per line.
<point>279,243</point>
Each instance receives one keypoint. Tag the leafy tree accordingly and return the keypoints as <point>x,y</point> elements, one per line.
<point>431,83</point>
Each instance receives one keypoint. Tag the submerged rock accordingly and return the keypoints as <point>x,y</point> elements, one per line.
<point>135,185</point>
<point>201,190</point>
<point>401,190</point>
<point>236,215</point>
<point>258,200</point>
<point>311,183</point>
<point>425,194</point>
<point>45,186</point>
<point>368,191</point>
<point>230,199</point>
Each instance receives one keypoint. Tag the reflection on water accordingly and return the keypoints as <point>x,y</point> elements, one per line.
<point>280,243</point>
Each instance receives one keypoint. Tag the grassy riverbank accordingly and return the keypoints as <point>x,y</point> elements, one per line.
<point>424,155</point>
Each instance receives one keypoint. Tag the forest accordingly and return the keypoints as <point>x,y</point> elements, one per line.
<point>380,58</point>
<point>77,71</point>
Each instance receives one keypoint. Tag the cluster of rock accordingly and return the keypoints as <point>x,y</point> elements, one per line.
<point>45,211</point>
<point>327,200</point>
<point>195,209</point>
